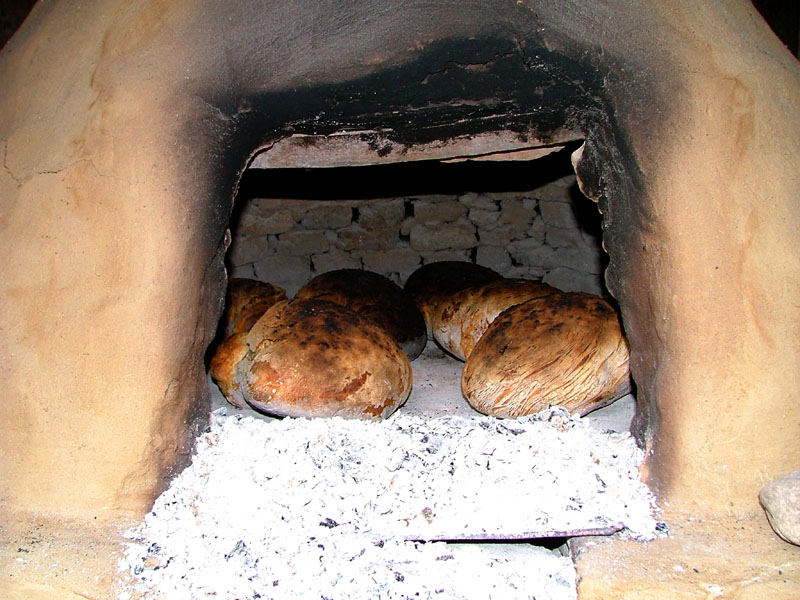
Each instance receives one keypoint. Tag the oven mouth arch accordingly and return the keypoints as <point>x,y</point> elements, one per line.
<point>468,99</point>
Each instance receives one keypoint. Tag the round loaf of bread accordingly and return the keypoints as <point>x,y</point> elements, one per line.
<point>245,302</point>
<point>374,297</point>
<point>434,283</point>
<point>460,321</point>
<point>313,358</point>
<point>223,367</point>
<point>564,349</point>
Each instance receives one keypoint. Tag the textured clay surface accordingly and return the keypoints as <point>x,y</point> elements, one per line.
<point>725,556</point>
<point>125,128</point>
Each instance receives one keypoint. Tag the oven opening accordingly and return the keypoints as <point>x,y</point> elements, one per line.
<point>437,496</point>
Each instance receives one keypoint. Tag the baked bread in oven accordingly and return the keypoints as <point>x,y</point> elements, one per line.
<point>315,358</point>
<point>460,320</point>
<point>564,349</point>
<point>434,283</point>
<point>223,367</point>
<point>375,297</point>
<point>246,300</point>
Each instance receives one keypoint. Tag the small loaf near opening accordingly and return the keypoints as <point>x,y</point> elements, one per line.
<point>431,285</point>
<point>314,358</point>
<point>564,349</point>
<point>460,320</point>
<point>375,297</point>
<point>246,300</point>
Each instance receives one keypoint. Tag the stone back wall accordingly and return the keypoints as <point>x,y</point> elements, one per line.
<point>551,232</point>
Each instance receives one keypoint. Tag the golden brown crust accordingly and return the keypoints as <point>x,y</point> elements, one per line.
<point>313,358</point>
<point>223,367</point>
<point>246,301</point>
<point>460,321</point>
<point>434,283</point>
<point>376,297</point>
<point>563,349</point>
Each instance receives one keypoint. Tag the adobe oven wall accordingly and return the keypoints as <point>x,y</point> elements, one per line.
<point>125,127</point>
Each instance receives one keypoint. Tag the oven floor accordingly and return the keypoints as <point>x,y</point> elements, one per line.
<point>437,500</point>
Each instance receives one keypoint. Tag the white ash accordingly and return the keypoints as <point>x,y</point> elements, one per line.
<point>326,508</point>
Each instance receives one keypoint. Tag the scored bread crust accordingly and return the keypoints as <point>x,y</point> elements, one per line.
<point>461,320</point>
<point>375,297</point>
<point>314,358</point>
<point>564,349</point>
<point>434,283</point>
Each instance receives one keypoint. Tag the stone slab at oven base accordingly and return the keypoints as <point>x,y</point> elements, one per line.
<point>737,558</point>
<point>45,558</point>
<point>740,559</point>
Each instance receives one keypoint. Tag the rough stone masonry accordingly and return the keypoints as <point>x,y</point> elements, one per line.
<point>536,234</point>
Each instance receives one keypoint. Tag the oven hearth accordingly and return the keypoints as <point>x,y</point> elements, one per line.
<point>374,508</point>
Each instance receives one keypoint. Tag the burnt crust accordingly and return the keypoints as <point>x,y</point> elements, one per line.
<point>315,358</point>
<point>374,297</point>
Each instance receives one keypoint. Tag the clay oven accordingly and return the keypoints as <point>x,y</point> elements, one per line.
<point>126,129</point>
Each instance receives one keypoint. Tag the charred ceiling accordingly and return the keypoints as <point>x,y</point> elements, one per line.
<point>454,89</point>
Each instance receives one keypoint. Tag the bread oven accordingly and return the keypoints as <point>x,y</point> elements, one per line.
<point>129,127</point>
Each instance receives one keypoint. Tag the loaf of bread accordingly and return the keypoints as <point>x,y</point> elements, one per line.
<point>461,319</point>
<point>246,300</point>
<point>374,297</point>
<point>434,283</point>
<point>314,358</point>
<point>564,349</point>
